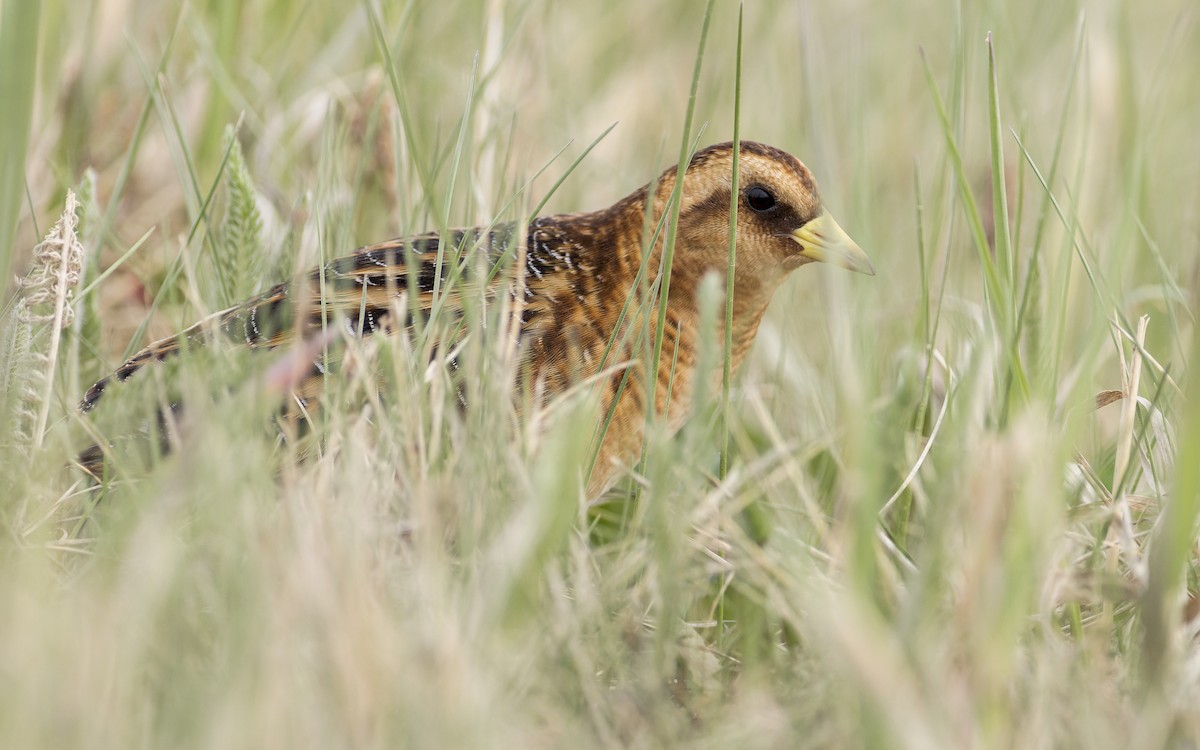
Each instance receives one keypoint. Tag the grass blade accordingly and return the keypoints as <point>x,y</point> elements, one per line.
<point>675,204</point>
<point>18,57</point>
<point>735,196</point>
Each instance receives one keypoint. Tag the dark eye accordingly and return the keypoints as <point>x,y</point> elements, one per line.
<point>760,199</point>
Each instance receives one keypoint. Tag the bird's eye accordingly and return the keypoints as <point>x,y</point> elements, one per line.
<point>760,199</point>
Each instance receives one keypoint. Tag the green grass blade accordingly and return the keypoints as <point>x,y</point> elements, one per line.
<point>1171,551</point>
<point>424,174</point>
<point>668,255</point>
<point>993,285</point>
<point>735,196</point>
<point>1033,275</point>
<point>19,25</point>
<point>537,210</point>
<point>1004,256</point>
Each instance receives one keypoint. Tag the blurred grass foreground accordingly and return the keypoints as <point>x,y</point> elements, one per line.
<point>962,496</point>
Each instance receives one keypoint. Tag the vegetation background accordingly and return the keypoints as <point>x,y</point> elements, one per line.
<point>962,499</point>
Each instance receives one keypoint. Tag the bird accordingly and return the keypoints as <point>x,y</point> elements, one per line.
<point>568,278</point>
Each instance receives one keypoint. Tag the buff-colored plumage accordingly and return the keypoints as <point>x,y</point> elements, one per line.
<point>578,272</point>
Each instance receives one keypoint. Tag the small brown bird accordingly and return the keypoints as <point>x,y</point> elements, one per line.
<point>571,279</point>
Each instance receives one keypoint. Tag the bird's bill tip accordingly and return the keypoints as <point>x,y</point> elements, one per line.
<point>821,239</point>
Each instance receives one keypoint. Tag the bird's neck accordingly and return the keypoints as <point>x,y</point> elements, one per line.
<point>596,260</point>
<point>751,296</point>
<point>690,264</point>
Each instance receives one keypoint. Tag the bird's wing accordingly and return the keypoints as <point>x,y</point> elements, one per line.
<point>422,273</point>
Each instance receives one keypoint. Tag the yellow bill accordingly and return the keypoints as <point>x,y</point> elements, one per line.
<point>822,239</point>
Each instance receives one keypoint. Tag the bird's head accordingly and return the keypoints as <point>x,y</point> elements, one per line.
<point>781,223</point>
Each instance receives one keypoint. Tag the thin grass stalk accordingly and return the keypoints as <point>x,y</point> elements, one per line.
<point>19,25</point>
<point>735,196</point>
<point>569,171</point>
<point>1132,376</point>
<point>130,158</point>
<point>931,351</point>
<point>668,255</point>
<point>926,310</point>
<point>993,286</point>
<point>1060,136</point>
<point>424,175</point>
<point>455,162</point>
<point>1000,230</point>
<point>177,264</point>
<point>1172,546</point>
<point>159,86</point>
<point>1002,239</point>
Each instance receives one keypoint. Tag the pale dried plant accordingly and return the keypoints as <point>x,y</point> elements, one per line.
<point>18,383</point>
<point>49,297</point>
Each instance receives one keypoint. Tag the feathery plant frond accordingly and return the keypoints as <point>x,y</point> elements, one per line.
<point>18,384</point>
<point>18,392</point>
<point>49,297</point>
<point>238,257</point>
